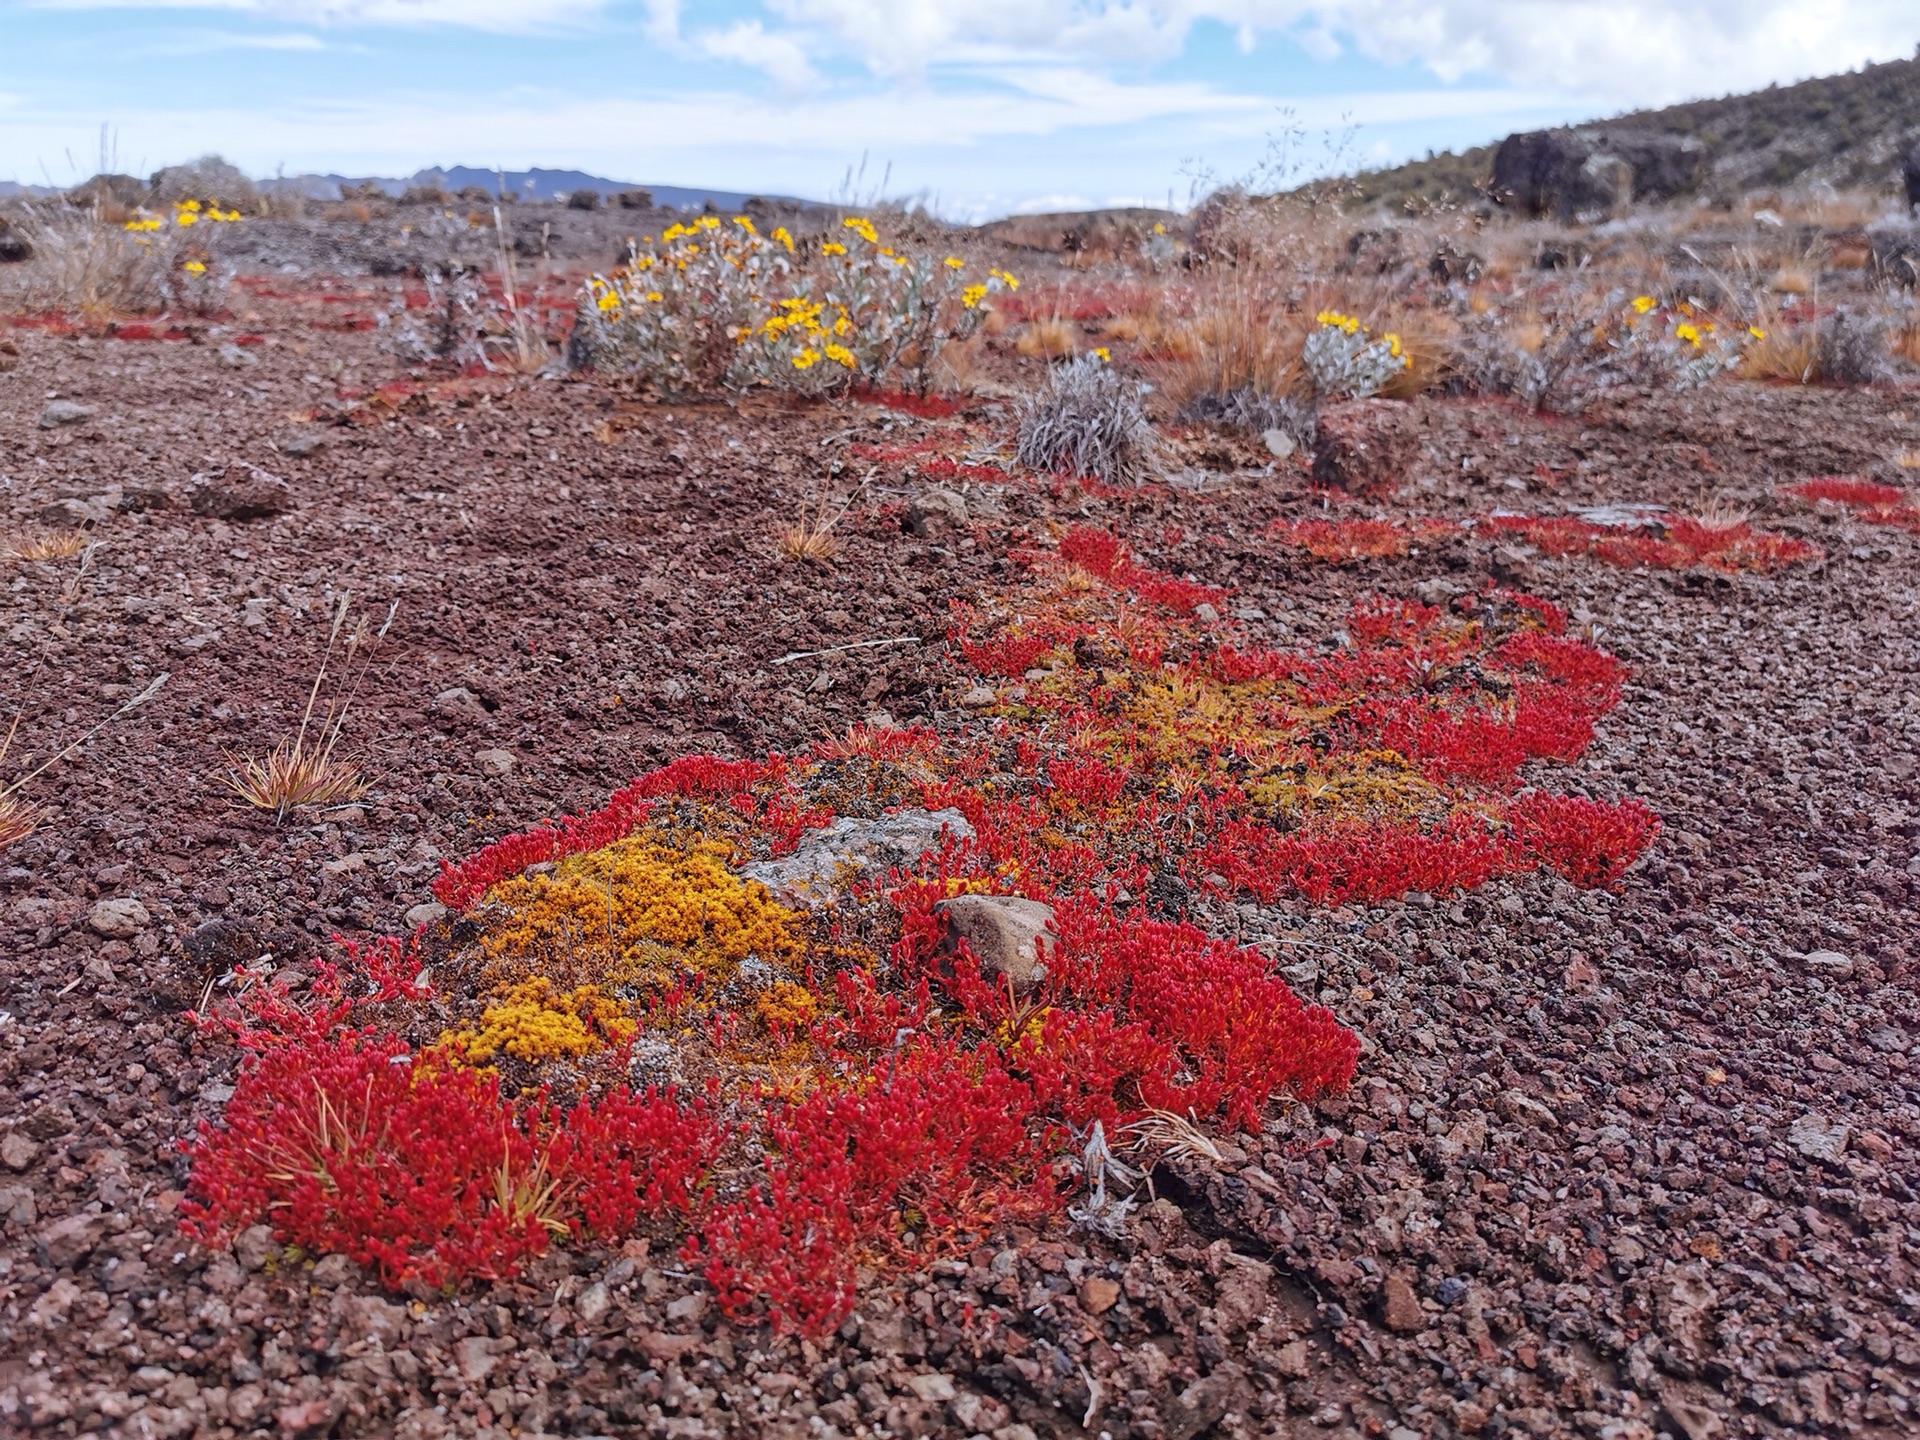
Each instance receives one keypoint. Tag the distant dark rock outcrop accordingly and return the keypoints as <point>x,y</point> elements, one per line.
<point>1559,173</point>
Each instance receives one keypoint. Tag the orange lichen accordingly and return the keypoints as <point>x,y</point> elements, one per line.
<point>642,911</point>
<point>534,1021</point>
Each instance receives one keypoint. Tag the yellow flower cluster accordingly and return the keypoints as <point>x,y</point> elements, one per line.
<point>533,1021</point>
<point>191,212</point>
<point>684,232</point>
<point>640,911</point>
<point>1006,278</point>
<point>863,228</point>
<point>804,316</point>
<point>1393,344</point>
<point>185,212</point>
<point>1642,304</point>
<point>195,267</point>
<point>1333,319</point>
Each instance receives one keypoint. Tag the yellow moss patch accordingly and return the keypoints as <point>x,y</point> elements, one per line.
<point>638,912</point>
<point>534,1021</point>
<point>786,1006</point>
<point>1379,786</point>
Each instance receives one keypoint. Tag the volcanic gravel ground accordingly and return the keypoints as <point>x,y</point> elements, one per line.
<point>1614,1164</point>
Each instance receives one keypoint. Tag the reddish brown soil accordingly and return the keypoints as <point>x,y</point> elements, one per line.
<point>1575,1189</point>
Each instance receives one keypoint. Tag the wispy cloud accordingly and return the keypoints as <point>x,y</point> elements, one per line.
<point>494,16</point>
<point>991,103</point>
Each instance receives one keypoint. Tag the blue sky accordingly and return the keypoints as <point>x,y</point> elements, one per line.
<point>983,106</point>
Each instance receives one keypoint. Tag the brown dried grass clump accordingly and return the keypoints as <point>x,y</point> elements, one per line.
<point>1235,335</point>
<point>1782,352</point>
<point>37,542</point>
<point>810,535</point>
<point>1427,339</point>
<point>291,776</point>
<point>1050,338</point>
<point>1905,343</point>
<point>310,770</point>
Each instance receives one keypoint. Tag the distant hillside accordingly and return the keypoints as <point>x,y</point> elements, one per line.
<point>535,184</point>
<point>1843,129</point>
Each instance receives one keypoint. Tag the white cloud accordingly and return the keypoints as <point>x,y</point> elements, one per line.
<point>748,43</point>
<point>498,16</point>
<point>1631,51</point>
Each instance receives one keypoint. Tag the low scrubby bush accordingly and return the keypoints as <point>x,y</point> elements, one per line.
<point>1089,423</point>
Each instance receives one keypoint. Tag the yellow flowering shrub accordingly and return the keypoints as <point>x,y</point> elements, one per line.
<point>642,911</point>
<point>716,304</point>
<point>533,1021</point>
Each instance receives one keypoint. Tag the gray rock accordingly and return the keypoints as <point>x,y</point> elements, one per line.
<point>474,1355</point>
<point>56,413</point>
<point>593,1302</point>
<point>241,492</point>
<point>1280,444</point>
<point>253,1246</point>
<point>848,850</point>
<point>936,1387</point>
<point>459,704</point>
<point>73,512</point>
<point>1818,1137</point>
<point>687,1307</point>
<point>980,697</point>
<point>1006,933</point>
<point>333,1271</point>
<point>936,512</point>
<point>494,762</point>
<point>119,919</point>
<point>1201,1404</point>
<point>1830,963</point>
<point>70,1240</point>
<point>237,357</point>
<point>18,1150</point>
<point>432,912</point>
<point>301,446</point>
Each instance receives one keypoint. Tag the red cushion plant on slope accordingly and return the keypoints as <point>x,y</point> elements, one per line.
<point>847,1092</point>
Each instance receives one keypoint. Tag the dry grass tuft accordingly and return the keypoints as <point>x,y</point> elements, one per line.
<point>290,776</point>
<point>1051,338</point>
<point>1720,515</point>
<point>1794,280</point>
<point>810,536</point>
<point>1172,1134</point>
<point>1426,339</point>
<point>37,542</point>
<point>305,772</point>
<point>1784,352</point>
<point>1905,343</point>
<point>1236,336</point>
<point>18,819</point>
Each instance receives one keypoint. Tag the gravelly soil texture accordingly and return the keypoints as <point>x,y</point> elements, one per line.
<point>1615,1164</point>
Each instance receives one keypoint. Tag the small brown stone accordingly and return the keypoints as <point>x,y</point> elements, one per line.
<point>1365,446</point>
<point>1098,1294</point>
<point>1337,1272</point>
<point>1400,1306</point>
<point>17,1150</point>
